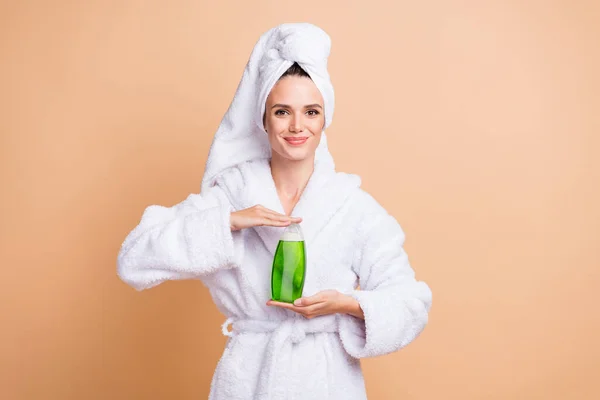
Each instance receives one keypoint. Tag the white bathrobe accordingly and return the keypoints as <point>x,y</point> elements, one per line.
<point>274,353</point>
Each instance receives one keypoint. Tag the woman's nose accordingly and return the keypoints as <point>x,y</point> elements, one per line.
<point>296,125</point>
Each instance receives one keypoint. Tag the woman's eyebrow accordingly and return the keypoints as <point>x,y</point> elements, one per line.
<point>287,106</point>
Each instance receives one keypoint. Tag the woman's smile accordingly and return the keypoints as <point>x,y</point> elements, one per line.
<point>296,140</point>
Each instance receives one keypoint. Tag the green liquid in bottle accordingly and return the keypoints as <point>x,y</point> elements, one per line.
<point>289,267</point>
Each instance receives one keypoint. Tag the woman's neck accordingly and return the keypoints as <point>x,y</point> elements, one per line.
<point>290,177</point>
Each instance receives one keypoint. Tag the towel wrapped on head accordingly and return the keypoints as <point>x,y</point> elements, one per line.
<point>241,136</point>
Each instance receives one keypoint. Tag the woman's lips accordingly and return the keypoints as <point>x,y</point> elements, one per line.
<point>296,141</point>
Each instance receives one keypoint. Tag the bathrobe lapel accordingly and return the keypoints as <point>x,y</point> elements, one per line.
<point>252,183</point>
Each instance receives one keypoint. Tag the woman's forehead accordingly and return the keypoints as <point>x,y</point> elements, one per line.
<point>295,91</point>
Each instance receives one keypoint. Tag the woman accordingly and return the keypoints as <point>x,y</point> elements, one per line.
<point>268,167</point>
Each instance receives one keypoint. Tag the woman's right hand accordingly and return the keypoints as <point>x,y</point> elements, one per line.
<point>259,216</point>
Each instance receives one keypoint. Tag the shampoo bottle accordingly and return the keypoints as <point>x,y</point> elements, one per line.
<point>289,266</point>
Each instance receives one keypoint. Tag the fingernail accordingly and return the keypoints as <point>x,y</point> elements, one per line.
<point>297,302</point>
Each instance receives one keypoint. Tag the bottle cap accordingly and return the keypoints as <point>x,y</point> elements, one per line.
<point>292,233</point>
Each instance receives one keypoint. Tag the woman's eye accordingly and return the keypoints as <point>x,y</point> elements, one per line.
<point>312,113</point>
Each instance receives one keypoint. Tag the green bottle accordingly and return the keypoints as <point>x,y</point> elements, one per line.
<point>289,266</point>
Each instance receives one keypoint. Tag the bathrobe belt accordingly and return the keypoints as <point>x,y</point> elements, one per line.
<point>292,329</point>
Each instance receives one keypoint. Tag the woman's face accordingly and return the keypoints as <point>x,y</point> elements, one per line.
<point>294,118</point>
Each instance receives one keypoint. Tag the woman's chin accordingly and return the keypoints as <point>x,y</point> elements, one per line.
<point>296,154</point>
<point>299,157</point>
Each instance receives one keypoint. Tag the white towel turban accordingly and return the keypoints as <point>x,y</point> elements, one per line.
<point>241,136</point>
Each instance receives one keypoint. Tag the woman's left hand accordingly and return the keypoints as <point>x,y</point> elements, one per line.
<point>323,303</point>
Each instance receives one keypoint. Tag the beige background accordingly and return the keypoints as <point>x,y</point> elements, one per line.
<point>476,124</point>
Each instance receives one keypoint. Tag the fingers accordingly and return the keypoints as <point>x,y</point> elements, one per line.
<point>277,216</point>
<point>312,311</point>
<point>307,311</point>
<point>265,221</point>
<point>278,222</point>
<point>271,222</point>
<point>280,304</point>
<point>307,301</point>
<point>280,217</point>
<point>272,218</point>
<point>259,216</point>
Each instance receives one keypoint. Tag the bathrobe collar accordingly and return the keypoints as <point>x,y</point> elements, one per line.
<point>251,183</point>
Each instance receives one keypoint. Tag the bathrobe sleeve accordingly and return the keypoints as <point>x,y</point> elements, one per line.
<point>186,241</point>
<point>394,303</point>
